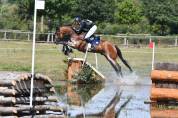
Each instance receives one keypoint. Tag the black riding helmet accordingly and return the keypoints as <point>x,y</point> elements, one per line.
<point>77,19</point>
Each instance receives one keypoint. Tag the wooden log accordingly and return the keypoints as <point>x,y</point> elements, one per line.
<point>8,92</point>
<point>25,76</point>
<point>169,76</point>
<point>5,82</point>
<point>9,117</point>
<point>173,113</point>
<point>53,98</point>
<point>21,108</point>
<point>7,100</point>
<point>43,77</point>
<point>8,110</point>
<point>12,92</point>
<point>166,66</point>
<point>164,94</point>
<point>24,86</point>
<point>46,116</point>
<point>24,100</point>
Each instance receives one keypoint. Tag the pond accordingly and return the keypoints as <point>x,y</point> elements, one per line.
<point>132,88</point>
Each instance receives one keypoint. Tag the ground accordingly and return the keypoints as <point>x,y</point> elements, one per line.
<point>16,56</point>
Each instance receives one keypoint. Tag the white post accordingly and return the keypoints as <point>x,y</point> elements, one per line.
<point>125,41</point>
<point>52,37</point>
<point>96,59</point>
<point>48,37</point>
<point>153,56</point>
<point>39,4</point>
<point>33,56</point>
<point>85,57</point>
<point>150,40</point>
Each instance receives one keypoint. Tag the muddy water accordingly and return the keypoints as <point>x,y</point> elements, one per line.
<point>133,87</point>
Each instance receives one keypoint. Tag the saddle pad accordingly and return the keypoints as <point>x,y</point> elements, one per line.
<point>95,40</point>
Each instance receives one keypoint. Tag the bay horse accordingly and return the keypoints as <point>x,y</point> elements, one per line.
<point>66,35</point>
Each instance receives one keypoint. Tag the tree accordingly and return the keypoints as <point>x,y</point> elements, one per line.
<point>128,12</point>
<point>95,10</point>
<point>163,14</point>
<point>54,9</point>
<point>8,14</point>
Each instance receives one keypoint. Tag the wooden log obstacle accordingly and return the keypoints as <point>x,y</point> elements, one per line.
<point>77,73</point>
<point>164,89</point>
<point>165,82</point>
<point>15,96</point>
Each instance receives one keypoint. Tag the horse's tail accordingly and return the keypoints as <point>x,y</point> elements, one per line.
<point>122,59</point>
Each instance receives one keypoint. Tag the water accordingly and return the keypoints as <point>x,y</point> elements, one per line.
<point>134,88</point>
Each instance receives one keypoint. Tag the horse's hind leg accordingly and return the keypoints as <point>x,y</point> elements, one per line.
<point>119,68</point>
<point>116,67</point>
<point>122,59</point>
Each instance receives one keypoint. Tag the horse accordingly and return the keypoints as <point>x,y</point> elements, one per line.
<point>66,35</point>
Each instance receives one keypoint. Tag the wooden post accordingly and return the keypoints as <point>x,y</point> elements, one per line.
<point>52,37</point>
<point>42,20</point>
<point>28,36</point>
<point>176,41</point>
<point>5,35</point>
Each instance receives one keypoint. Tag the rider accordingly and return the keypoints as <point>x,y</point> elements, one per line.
<point>86,26</point>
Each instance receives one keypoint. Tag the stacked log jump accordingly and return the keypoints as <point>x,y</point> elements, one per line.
<point>165,83</point>
<point>15,96</point>
<point>164,90</point>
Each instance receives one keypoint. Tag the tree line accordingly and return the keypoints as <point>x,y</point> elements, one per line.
<point>158,17</point>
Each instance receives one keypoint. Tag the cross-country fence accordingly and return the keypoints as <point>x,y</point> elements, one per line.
<point>136,40</point>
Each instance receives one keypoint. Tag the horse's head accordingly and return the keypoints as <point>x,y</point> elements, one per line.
<point>63,34</point>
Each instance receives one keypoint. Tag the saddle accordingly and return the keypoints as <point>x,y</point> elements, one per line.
<point>93,40</point>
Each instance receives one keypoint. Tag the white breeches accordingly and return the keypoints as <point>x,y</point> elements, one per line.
<point>91,31</point>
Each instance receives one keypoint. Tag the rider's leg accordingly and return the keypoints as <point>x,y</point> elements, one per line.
<point>91,32</point>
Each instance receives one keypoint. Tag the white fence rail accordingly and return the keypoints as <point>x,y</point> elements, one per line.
<point>125,39</point>
<point>24,35</point>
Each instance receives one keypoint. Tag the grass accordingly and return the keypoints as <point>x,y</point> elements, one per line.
<point>16,56</point>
